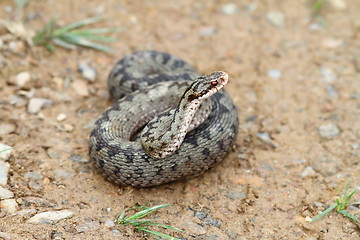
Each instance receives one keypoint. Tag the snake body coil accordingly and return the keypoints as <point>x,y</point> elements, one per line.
<point>157,90</point>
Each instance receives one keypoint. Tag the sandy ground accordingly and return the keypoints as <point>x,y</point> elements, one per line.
<point>292,75</point>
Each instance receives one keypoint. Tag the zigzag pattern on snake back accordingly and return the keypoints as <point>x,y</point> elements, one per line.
<point>149,83</point>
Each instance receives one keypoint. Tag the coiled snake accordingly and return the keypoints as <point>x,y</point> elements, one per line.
<point>149,136</point>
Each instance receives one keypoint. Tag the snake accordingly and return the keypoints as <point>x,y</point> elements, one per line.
<point>167,122</point>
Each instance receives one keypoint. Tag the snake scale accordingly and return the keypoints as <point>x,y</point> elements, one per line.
<point>154,133</point>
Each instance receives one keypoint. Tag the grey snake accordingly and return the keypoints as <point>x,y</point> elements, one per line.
<point>154,133</point>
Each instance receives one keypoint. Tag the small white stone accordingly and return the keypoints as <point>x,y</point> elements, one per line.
<point>6,128</point>
<point>68,127</point>
<point>328,75</point>
<point>276,18</point>
<point>5,151</point>
<point>332,43</point>
<point>308,219</point>
<point>35,104</point>
<point>5,193</point>
<point>109,223</point>
<point>88,72</point>
<point>22,78</point>
<point>8,205</point>
<point>338,4</point>
<point>329,130</point>
<point>4,169</point>
<point>50,217</point>
<point>61,117</point>
<point>229,9</point>
<point>274,74</point>
<point>80,88</point>
<point>308,172</point>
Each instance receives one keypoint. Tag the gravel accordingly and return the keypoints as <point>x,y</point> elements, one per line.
<point>5,193</point>
<point>80,88</point>
<point>50,217</point>
<point>33,176</point>
<point>4,169</point>
<point>5,151</point>
<point>36,104</point>
<point>22,78</point>
<point>329,130</point>
<point>276,18</point>
<point>274,74</point>
<point>8,206</point>
<point>6,128</point>
<point>229,9</point>
<point>88,72</point>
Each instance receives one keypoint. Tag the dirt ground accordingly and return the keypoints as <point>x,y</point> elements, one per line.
<point>294,77</point>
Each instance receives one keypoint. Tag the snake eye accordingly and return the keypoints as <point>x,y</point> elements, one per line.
<point>214,83</point>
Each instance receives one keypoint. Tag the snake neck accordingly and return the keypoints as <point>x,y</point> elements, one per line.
<point>163,135</point>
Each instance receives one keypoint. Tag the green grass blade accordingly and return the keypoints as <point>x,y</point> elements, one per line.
<point>349,216</point>
<point>95,37</point>
<point>45,33</point>
<point>318,5</point>
<point>21,3</point>
<point>332,207</point>
<point>347,198</point>
<point>83,42</point>
<point>147,211</point>
<point>78,24</point>
<point>165,236</point>
<point>97,31</point>
<point>6,149</point>
<point>164,226</point>
<point>64,44</point>
<point>50,47</point>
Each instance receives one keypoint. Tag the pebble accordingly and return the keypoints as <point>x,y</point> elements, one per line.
<point>59,83</point>
<point>4,169</point>
<point>61,117</point>
<point>80,88</point>
<point>35,104</point>
<point>265,137</point>
<point>17,101</point>
<point>338,4</point>
<point>8,205</point>
<point>328,75</point>
<point>17,47</point>
<point>33,176</point>
<point>22,78</point>
<point>236,195</point>
<point>276,18</point>
<point>35,186</point>
<point>50,217</point>
<point>332,43</point>
<point>308,172</point>
<point>193,228</point>
<point>5,193</point>
<point>68,127</point>
<point>229,9</point>
<point>208,31</point>
<point>109,223</point>
<point>213,222</point>
<point>6,128</point>
<point>88,72</point>
<point>79,158</point>
<point>274,74</point>
<point>62,173</point>
<point>329,130</point>
<point>87,227</point>
<point>318,204</point>
<point>331,91</point>
<point>5,151</point>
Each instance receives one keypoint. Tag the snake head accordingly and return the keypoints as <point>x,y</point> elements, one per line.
<point>206,85</point>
